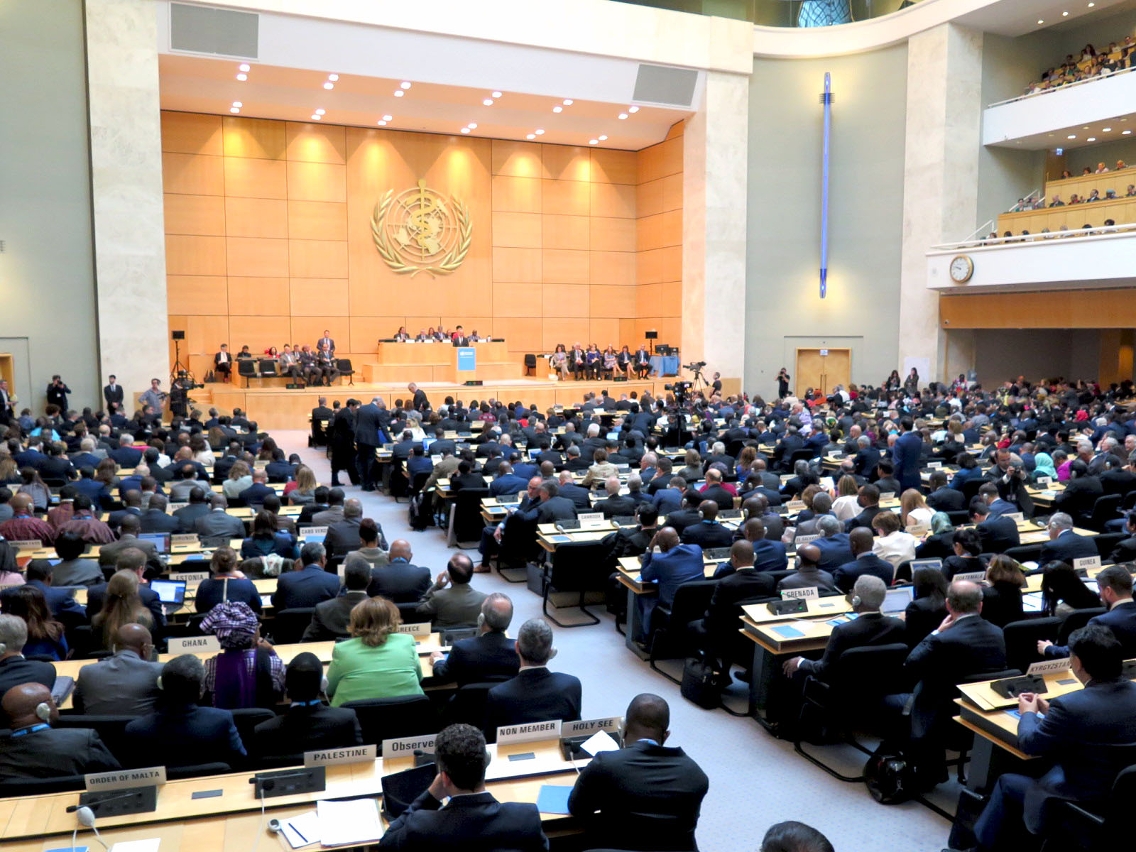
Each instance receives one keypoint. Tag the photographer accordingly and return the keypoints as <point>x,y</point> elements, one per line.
<point>154,397</point>
<point>57,394</point>
<point>179,394</point>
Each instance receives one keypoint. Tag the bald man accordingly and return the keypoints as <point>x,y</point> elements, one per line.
<point>125,684</point>
<point>489,656</point>
<point>37,750</point>
<point>645,777</point>
<point>740,582</point>
<point>668,563</point>
<point>707,533</point>
<point>400,580</point>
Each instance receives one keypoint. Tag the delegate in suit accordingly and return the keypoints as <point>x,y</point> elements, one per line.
<point>488,656</point>
<point>1114,584</point>
<point>674,565</point>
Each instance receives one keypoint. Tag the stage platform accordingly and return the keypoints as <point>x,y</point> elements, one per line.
<point>279,408</point>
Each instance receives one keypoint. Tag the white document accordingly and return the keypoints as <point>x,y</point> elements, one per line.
<point>349,823</point>
<point>303,830</point>
<point>137,845</point>
<point>600,741</point>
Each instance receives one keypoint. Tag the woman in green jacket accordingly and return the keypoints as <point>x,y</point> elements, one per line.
<point>378,661</point>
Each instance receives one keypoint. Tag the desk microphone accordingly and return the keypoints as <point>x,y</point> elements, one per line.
<point>92,807</point>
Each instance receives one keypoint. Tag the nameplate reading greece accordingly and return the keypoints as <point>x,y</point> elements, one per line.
<point>421,230</point>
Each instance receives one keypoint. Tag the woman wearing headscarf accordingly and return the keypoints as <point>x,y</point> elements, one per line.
<point>938,545</point>
<point>247,672</point>
<point>1043,466</point>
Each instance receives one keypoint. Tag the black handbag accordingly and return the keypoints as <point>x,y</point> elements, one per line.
<point>699,685</point>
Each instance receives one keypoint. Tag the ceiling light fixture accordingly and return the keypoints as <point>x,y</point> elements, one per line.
<point>465,130</point>
<point>633,109</point>
<point>321,112</point>
<point>242,77</point>
<point>602,138</point>
<point>244,66</point>
<point>1125,132</point>
<point>1106,129</point>
<point>398,93</point>
<point>538,132</point>
<point>1041,22</point>
<point>404,85</point>
<point>531,136</point>
<point>472,125</point>
<point>317,117</point>
<point>1091,5</point>
<point>495,95</point>
<point>238,104</point>
<point>1071,136</point>
<point>382,123</point>
<point>558,109</point>
<point>388,118</point>
<point>1064,14</point>
<point>333,77</point>
<point>329,86</point>
<point>593,141</point>
<point>622,116</point>
<point>488,102</point>
<point>568,102</point>
<point>234,110</point>
<point>1091,139</point>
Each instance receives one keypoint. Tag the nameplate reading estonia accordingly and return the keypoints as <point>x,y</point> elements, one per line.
<point>528,733</point>
<point>355,754</point>
<point>194,645</point>
<point>591,726</point>
<point>125,778</point>
<point>191,577</point>
<point>406,746</point>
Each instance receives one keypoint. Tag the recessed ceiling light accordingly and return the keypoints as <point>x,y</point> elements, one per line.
<point>388,118</point>
<point>1041,22</point>
<point>317,117</point>
<point>488,102</point>
<point>622,116</point>
<point>329,86</point>
<point>1091,5</point>
<point>382,123</point>
<point>244,66</point>
<point>472,125</point>
<point>234,109</point>
<point>465,130</point>
<point>1071,136</point>
<point>242,77</point>
<point>398,93</point>
<point>1086,127</point>
<point>1091,139</point>
<point>558,109</point>
<point>568,102</point>
<point>1106,129</point>
<point>1064,14</point>
<point>538,132</point>
<point>237,104</point>
<point>321,112</point>
<point>602,138</point>
<point>496,94</point>
<point>633,109</point>
<point>593,141</point>
<point>404,85</point>
<point>333,77</point>
<point>1125,132</point>
<point>531,136</point>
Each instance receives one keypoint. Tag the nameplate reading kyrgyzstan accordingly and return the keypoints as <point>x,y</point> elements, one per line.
<point>612,724</point>
<point>406,746</point>
<point>809,593</point>
<point>125,778</point>
<point>353,754</point>
<point>529,732</point>
<point>194,645</point>
<point>421,628</point>
<point>1049,667</point>
<point>972,576</point>
<point>1086,562</point>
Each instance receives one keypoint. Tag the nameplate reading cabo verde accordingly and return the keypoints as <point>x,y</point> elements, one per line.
<point>528,733</point>
<point>354,754</point>
<point>591,726</point>
<point>194,645</point>
<point>406,746</point>
<point>125,778</point>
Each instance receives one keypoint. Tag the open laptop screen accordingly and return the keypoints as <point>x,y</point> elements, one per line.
<point>169,591</point>
<point>161,541</point>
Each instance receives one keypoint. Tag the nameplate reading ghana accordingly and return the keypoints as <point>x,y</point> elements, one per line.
<point>1049,667</point>
<point>528,733</point>
<point>125,778</point>
<point>591,726</point>
<point>416,629</point>
<point>194,645</point>
<point>809,593</point>
<point>330,756</point>
<point>406,746</point>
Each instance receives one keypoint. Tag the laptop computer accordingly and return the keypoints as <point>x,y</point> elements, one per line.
<point>896,600</point>
<point>170,592</point>
<point>161,541</point>
<point>916,564</point>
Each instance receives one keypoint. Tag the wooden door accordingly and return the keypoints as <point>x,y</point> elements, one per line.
<point>823,369</point>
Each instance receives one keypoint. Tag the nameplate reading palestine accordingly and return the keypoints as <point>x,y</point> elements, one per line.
<point>330,756</point>
<point>528,733</point>
<point>125,778</point>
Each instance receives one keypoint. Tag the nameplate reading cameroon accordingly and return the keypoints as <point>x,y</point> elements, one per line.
<point>331,756</point>
<point>194,645</point>
<point>1089,563</point>
<point>611,725</point>
<point>528,733</point>
<point>1049,667</point>
<point>809,593</point>
<point>422,628</point>
<point>406,746</point>
<point>125,778</point>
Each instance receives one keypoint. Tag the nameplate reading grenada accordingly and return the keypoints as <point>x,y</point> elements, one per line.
<point>125,778</point>
<point>194,645</point>
<point>590,726</point>
<point>808,593</point>
<point>1049,667</point>
<point>406,746</point>
<point>331,756</point>
<point>528,733</point>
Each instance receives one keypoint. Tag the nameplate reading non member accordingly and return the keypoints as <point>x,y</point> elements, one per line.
<point>125,778</point>
<point>529,732</point>
<point>194,645</point>
<point>809,593</point>
<point>353,754</point>
<point>420,628</point>
<point>406,746</point>
<point>1086,562</point>
<point>1049,667</point>
<point>612,724</point>
<point>972,576</point>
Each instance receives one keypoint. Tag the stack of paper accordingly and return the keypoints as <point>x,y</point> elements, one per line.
<point>349,823</point>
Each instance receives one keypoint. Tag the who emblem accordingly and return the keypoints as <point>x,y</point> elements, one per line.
<point>420,231</point>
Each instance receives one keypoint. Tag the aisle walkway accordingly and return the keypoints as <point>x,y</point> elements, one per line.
<point>755,780</point>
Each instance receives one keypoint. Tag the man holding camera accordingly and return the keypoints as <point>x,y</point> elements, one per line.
<point>57,394</point>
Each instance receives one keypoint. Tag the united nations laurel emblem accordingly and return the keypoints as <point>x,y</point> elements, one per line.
<point>420,231</point>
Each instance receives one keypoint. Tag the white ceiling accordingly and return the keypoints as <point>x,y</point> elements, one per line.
<point>1015,18</point>
<point>1099,132</point>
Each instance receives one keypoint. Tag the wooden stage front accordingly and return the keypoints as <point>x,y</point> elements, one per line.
<point>279,408</point>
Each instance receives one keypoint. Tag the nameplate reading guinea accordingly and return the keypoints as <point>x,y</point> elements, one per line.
<point>809,593</point>
<point>528,733</point>
<point>1086,562</point>
<point>125,778</point>
<point>612,724</point>
<point>330,756</point>
<point>194,645</point>
<point>1045,667</point>
<point>406,746</point>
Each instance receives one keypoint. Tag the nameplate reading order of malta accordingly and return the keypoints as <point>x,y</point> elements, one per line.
<point>1049,667</point>
<point>353,754</point>
<point>809,593</point>
<point>125,778</point>
<point>194,645</point>
<point>1086,562</point>
<point>529,732</point>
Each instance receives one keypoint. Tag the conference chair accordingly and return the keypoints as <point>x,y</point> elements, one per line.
<point>400,789</point>
<point>289,624</point>
<point>345,369</point>
<point>41,786</point>
<point>246,719</point>
<point>530,364</point>
<point>409,613</point>
<point>400,716</point>
<point>467,706</point>
<point>670,635</point>
<point>1022,638</point>
<point>1075,620</point>
<point>1107,542</point>
<point>1097,827</point>
<point>110,728</point>
<point>246,368</point>
<point>959,517</point>
<point>576,566</point>
<point>1024,553</point>
<point>1105,509</point>
<point>196,770</point>
<point>466,522</point>
<point>268,368</point>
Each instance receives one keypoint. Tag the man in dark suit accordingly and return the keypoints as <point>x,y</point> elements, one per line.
<point>996,506</point>
<point>1114,584</point>
<point>552,507</point>
<point>39,573</point>
<point>155,519</point>
<point>126,455</point>
<point>905,455</point>
<point>1080,730</point>
<point>739,582</point>
<point>865,562</point>
<point>673,565</point>
<point>181,733</point>
<point>309,724</point>
<point>188,516</point>
<point>332,617</point>
<point>507,483</point>
<point>768,553</point>
<point>616,504</point>
<point>35,749</point>
<point>113,393</point>
<point>451,601</point>
<point>367,440</point>
<point>308,586</point>
<point>1081,492</point>
<point>942,498</point>
<point>343,536</point>
<point>1064,545</point>
<point>866,458</point>
<point>996,534</point>
<point>707,533</point>
<point>218,521</point>
<point>833,544</point>
<point>399,580</point>
<point>222,362</point>
<point>535,694</point>
<point>419,402</point>
<point>645,778</point>
<point>488,656</point>
<point>254,495</point>
<point>124,684</point>
<point>964,645</point>
<point>569,490</point>
<point>14,669</point>
<point>868,499</point>
<point>1125,550</point>
<point>472,820</point>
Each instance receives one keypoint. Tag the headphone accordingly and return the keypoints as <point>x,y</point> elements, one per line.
<point>43,711</point>
<point>160,682</point>
<point>481,619</point>
<point>3,647</point>
<point>855,602</point>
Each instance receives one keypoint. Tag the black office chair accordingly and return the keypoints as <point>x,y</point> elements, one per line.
<point>1077,619</point>
<point>409,613</point>
<point>466,522</point>
<point>41,786</point>
<point>577,566</point>
<point>401,716</point>
<point>959,516</point>
<point>530,364</point>
<point>400,789</point>
<point>289,624</point>
<point>246,719</point>
<point>398,485</point>
<point>267,368</point>
<point>196,770</point>
<point>1106,508</point>
<point>1025,553</point>
<point>970,488</point>
<point>246,367</point>
<point>110,728</point>
<point>1022,638</point>
<point>670,637</point>
<point>1097,827</point>
<point>468,704</point>
<point>345,369</point>
<point>1107,542</point>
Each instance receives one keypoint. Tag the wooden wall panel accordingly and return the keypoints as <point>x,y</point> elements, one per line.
<point>205,334</point>
<point>513,300</point>
<point>515,264</point>
<point>249,178</point>
<point>310,329</point>
<point>260,332</point>
<point>317,259</point>
<point>567,232</point>
<point>199,215</point>
<point>517,194</point>
<point>251,296</point>
<point>518,159</point>
<point>316,143</point>
<point>187,255</point>
<point>517,230</point>
<point>612,301</point>
<point>612,267</point>
<point>366,332</point>
<point>562,266</point>
<point>523,335</point>
<point>566,197</point>
<point>562,162</point>
<point>197,294</point>
<point>191,133</point>
<point>191,174</point>
<point>567,300</point>
<point>315,296</point>
<point>317,220</point>
<point>258,138</point>
<point>612,234</point>
<point>614,167</point>
<point>604,331</point>
<point>615,200</point>
<point>1066,308</point>
<point>256,217</point>
<point>317,182</point>
<point>565,330</point>
<point>257,257</point>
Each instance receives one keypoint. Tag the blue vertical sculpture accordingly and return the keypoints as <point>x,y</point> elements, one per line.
<point>825,99</point>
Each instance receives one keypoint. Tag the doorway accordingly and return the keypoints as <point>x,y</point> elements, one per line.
<point>15,368</point>
<point>823,369</point>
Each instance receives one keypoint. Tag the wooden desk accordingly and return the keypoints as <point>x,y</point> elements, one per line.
<point>820,608</point>
<point>771,644</point>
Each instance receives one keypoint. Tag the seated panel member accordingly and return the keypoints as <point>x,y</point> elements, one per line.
<point>35,749</point>
<point>489,656</point>
<point>1114,585</point>
<point>535,694</point>
<point>644,778</point>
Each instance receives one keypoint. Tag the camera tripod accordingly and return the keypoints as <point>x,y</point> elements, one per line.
<point>698,383</point>
<point>178,367</point>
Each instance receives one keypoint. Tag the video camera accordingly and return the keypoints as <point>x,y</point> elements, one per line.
<point>694,366</point>
<point>185,381</point>
<point>679,389</point>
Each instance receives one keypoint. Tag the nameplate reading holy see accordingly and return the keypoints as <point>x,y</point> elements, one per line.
<point>529,732</point>
<point>125,778</point>
<point>330,756</point>
<point>406,746</point>
<point>590,726</point>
